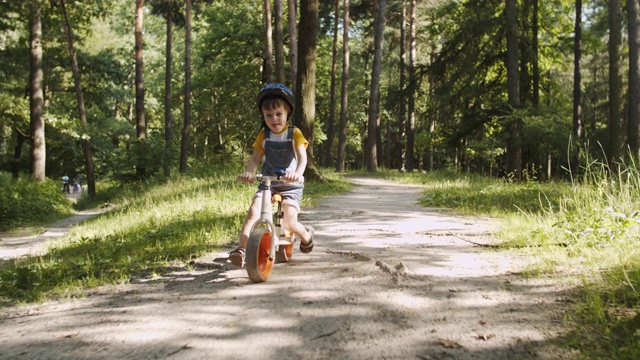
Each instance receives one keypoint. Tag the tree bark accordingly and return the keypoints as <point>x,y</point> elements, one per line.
<point>411,118</point>
<point>305,111</point>
<point>186,128</point>
<point>615,82</point>
<point>578,126</point>
<point>344,94</point>
<point>398,152</point>
<point>279,41</point>
<point>36,96</point>
<point>374,95</point>
<point>293,43</point>
<point>514,144</point>
<point>267,71</point>
<point>328,159</point>
<point>633,11</point>
<point>168,120</point>
<point>141,124</point>
<point>86,145</point>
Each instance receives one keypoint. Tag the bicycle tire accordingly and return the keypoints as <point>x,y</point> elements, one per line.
<point>284,253</point>
<point>258,264</point>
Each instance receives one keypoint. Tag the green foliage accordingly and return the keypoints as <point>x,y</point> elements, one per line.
<point>27,202</point>
<point>155,228</point>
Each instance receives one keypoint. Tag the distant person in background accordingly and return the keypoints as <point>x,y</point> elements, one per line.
<point>65,184</point>
<point>77,183</point>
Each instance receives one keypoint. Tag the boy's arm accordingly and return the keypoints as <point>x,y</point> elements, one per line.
<point>252,166</point>
<point>301,155</point>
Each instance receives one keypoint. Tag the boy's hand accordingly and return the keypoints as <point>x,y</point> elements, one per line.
<point>245,177</point>
<point>293,177</point>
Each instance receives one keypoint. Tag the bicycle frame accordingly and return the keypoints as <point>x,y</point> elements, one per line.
<point>266,213</point>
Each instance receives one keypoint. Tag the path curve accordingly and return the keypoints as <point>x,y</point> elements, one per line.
<point>387,279</point>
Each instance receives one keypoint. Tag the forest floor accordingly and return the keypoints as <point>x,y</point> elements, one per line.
<point>387,279</point>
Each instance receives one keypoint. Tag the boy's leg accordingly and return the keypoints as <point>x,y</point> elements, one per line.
<point>253,214</point>
<point>290,222</point>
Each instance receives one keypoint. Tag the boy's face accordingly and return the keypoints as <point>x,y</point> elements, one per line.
<point>276,118</point>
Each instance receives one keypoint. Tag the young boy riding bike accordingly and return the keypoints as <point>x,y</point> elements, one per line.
<point>282,147</point>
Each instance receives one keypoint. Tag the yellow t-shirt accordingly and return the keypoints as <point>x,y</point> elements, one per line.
<point>298,138</point>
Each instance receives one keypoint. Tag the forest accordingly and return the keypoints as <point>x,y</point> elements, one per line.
<point>517,89</point>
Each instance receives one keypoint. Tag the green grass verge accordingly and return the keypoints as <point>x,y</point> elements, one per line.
<point>153,227</point>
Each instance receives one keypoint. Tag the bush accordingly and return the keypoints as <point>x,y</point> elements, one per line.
<point>26,201</point>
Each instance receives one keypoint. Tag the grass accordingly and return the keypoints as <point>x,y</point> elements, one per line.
<point>153,227</point>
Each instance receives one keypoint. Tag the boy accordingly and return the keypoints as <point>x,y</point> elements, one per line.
<point>282,147</point>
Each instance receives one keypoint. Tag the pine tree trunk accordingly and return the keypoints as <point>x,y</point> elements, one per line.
<point>86,145</point>
<point>267,71</point>
<point>374,95</point>
<point>344,94</point>
<point>168,121</point>
<point>36,96</point>
<point>305,111</point>
<point>633,10</point>
<point>293,43</point>
<point>279,41</point>
<point>411,118</point>
<point>615,82</point>
<point>186,127</point>
<point>328,160</point>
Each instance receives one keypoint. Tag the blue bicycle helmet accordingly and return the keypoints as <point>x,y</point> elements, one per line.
<point>276,89</point>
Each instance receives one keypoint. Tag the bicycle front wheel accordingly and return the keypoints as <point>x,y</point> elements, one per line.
<point>258,264</point>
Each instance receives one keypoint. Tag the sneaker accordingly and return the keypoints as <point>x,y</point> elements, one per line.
<point>308,247</point>
<point>237,257</point>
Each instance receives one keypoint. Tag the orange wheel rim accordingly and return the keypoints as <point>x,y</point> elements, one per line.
<point>288,249</point>
<point>264,264</point>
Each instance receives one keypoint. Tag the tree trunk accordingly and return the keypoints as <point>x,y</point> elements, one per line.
<point>398,152</point>
<point>186,128</point>
<point>578,126</point>
<point>328,159</point>
<point>615,82</point>
<point>267,71</point>
<point>535,66</point>
<point>141,125</point>
<point>168,121</point>
<point>293,44</point>
<point>36,96</point>
<point>279,41</point>
<point>633,10</point>
<point>344,94</point>
<point>514,143</point>
<point>374,95</point>
<point>86,145</point>
<point>411,119</point>
<point>305,111</point>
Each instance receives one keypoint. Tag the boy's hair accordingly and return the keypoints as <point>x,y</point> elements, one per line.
<point>273,102</point>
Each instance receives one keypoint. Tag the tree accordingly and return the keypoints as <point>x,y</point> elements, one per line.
<point>374,99</point>
<point>86,145</point>
<point>633,11</point>
<point>186,127</point>
<point>267,61</point>
<point>293,43</point>
<point>332,101</point>
<point>615,81</point>
<point>141,125</point>
<point>578,126</point>
<point>411,116</point>
<point>279,40</point>
<point>36,93</point>
<point>305,111</point>
<point>514,144</point>
<point>344,93</point>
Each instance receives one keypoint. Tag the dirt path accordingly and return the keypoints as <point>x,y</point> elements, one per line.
<point>386,280</point>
